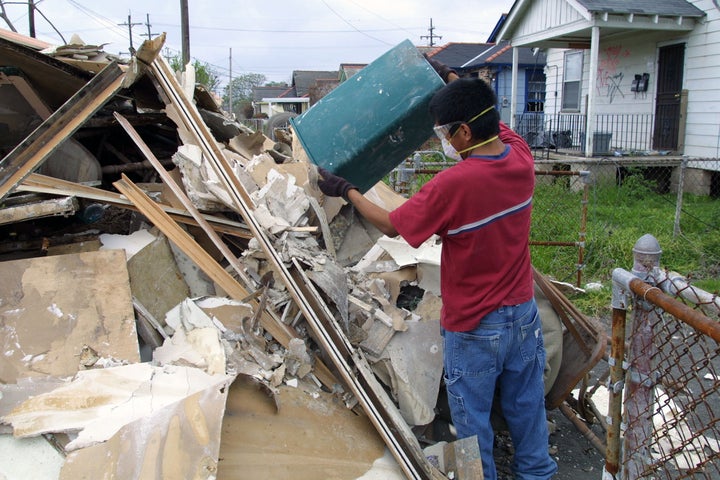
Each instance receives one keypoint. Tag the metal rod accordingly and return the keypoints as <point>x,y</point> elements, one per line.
<point>582,427</point>
<point>617,375</point>
<point>676,308</point>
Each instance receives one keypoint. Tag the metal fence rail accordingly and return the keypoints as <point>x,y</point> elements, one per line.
<point>664,418</point>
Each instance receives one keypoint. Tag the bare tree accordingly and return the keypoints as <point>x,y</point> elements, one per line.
<point>33,5</point>
<point>3,15</point>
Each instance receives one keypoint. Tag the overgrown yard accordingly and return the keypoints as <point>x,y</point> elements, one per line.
<point>617,216</point>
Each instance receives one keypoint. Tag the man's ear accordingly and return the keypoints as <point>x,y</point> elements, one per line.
<point>465,132</point>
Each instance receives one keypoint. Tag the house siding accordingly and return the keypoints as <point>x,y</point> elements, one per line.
<point>548,15</point>
<point>622,57</point>
<point>702,71</point>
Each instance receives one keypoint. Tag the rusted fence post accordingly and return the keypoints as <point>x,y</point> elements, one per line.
<point>617,379</point>
<point>664,417</point>
<point>640,376</point>
<point>638,382</point>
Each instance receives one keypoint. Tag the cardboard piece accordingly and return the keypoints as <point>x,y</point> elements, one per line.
<point>305,437</point>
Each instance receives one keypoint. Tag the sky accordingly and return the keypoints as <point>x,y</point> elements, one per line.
<point>270,37</point>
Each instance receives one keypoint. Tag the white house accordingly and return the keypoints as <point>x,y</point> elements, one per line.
<point>628,76</point>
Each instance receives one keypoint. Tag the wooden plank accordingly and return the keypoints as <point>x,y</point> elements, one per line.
<point>462,458</point>
<point>54,207</point>
<point>196,253</point>
<point>280,332</point>
<point>37,146</point>
<point>186,202</point>
<point>55,186</point>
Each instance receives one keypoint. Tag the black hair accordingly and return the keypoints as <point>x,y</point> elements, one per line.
<point>461,100</point>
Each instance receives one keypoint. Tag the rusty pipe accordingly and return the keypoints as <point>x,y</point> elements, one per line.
<point>676,308</point>
<point>582,427</point>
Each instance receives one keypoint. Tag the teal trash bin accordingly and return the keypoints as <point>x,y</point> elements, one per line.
<point>370,123</point>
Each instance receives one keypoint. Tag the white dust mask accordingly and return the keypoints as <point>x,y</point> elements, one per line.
<point>450,151</point>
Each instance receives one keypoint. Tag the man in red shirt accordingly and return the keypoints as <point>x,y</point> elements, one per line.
<point>480,208</point>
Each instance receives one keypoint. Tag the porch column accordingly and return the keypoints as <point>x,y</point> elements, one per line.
<point>513,86</point>
<point>592,88</point>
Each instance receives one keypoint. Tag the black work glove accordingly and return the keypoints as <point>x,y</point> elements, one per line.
<point>332,185</point>
<point>443,70</point>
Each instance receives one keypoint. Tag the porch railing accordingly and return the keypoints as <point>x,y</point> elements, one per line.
<point>614,134</point>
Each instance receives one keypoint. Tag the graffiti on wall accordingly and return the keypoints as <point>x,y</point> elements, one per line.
<point>609,79</point>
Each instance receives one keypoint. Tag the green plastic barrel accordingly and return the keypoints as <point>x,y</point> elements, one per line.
<point>370,123</point>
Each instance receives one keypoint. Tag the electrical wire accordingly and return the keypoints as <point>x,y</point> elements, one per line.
<point>353,26</point>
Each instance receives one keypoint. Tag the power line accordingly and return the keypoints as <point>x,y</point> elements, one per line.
<point>353,26</point>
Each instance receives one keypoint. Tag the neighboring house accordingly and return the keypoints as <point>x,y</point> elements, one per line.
<point>626,77</point>
<point>269,100</point>
<point>295,98</point>
<point>493,62</point>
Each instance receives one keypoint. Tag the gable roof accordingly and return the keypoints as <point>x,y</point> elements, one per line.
<point>303,80</point>
<point>492,38</point>
<point>456,55</point>
<point>645,7</point>
<point>273,91</point>
<point>469,56</point>
<point>347,70</point>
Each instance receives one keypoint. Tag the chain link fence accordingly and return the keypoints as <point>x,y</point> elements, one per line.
<point>664,408</point>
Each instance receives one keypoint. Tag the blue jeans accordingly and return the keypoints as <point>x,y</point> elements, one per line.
<point>505,351</point>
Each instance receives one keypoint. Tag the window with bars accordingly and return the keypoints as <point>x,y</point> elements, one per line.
<point>535,92</point>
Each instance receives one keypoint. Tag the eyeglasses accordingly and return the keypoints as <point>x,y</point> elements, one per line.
<point>442,131</point>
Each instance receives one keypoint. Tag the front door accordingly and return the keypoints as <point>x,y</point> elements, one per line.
<point>671,62</point>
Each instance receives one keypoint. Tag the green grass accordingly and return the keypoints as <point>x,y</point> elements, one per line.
<point>617,217</point>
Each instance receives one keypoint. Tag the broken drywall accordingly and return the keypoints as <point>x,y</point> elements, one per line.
<point>97,403</point>
<point>56,323</point>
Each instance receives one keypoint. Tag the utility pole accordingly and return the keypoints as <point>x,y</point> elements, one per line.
<point>230,99</point>
<point>31,17</point>
<point>185,32</point>
<point>147,24</point>
<point>432,36</point>
<point>130,25</point>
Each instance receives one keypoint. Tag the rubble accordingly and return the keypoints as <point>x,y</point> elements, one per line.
<point>209,269</point>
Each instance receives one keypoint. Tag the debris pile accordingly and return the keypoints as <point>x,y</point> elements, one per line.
<point>163,264</point>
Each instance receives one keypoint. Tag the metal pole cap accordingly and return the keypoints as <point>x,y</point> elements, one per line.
<point>646,254</point>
